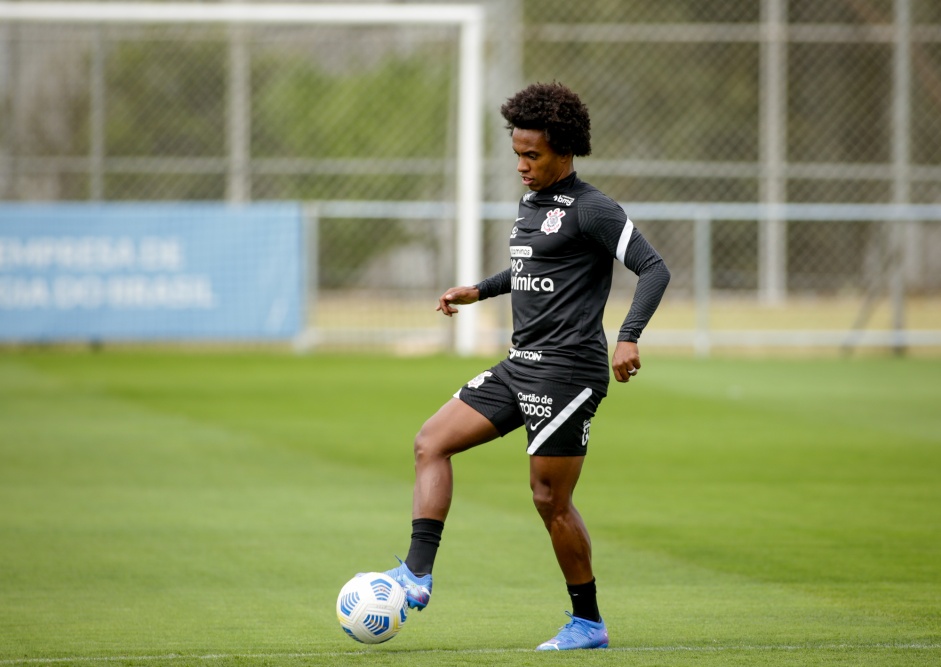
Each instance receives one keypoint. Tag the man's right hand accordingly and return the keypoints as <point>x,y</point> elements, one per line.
<point>457,296</point>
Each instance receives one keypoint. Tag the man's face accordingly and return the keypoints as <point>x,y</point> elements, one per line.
<point>537,164</point>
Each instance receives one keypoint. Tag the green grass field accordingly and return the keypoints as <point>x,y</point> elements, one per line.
<point>204,508</point>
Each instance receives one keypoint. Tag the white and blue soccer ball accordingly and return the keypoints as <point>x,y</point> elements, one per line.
<point>372,607</point>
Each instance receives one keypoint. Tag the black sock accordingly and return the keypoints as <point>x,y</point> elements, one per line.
<point>585,601</point>
<point>426,536</point>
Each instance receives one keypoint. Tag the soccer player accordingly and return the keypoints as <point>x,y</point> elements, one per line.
<point>563,244</point>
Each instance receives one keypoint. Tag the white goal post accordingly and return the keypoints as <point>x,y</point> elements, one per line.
<point>468,17</point>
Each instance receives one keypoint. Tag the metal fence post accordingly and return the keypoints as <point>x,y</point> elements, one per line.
<point>901,159</point>
<point>772,264</point>
<point>238,128</point>
<point>310,273</point>
<point>98,120</point>
<point>702,271</point>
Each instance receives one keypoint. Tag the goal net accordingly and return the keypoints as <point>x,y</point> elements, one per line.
<point>373,106</point>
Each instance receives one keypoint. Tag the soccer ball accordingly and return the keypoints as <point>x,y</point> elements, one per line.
<point>371,607</point>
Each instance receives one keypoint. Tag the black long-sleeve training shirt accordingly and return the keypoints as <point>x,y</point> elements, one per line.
<point>560,276</point>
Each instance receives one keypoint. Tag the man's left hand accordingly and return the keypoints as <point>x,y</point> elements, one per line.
<point>626,361</point>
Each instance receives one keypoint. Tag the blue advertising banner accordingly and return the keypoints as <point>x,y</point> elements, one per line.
<point>150,271</point>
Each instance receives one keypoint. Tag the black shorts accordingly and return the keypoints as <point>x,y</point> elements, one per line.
<point>557,415</point>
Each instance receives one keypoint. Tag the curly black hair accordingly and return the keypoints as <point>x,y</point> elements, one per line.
<point>557,111</point>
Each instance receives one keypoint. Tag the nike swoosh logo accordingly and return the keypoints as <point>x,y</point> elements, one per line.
<point>518,219</point>
<point>533,427</point>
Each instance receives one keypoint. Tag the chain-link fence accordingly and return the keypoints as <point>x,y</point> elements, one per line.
<point>753,102</point>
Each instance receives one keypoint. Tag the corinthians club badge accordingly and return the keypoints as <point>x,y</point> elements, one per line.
<point>553,221</point>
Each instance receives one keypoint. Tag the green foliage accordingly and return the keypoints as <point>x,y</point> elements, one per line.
<point>398,110</point>
<point>169,99</point>
<point>166,99</point>
<point>303,111</point>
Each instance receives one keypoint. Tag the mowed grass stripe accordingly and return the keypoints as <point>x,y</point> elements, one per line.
<point>211,505</point>
<point>124,522</point>
<point>372,651</point>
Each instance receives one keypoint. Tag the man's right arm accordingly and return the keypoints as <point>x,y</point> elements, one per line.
<point>461,296</point>
<point>495,285</point>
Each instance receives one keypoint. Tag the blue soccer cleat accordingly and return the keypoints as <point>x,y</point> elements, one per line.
<point>417,589</point>
<point>577,633</point>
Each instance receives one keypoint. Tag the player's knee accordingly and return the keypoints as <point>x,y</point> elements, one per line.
<point>425,446</point>
<point>420,446</point>
<point>547,503</point>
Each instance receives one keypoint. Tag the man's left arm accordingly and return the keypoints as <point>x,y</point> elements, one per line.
<point>603,220</point>
<point>653,276</point>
